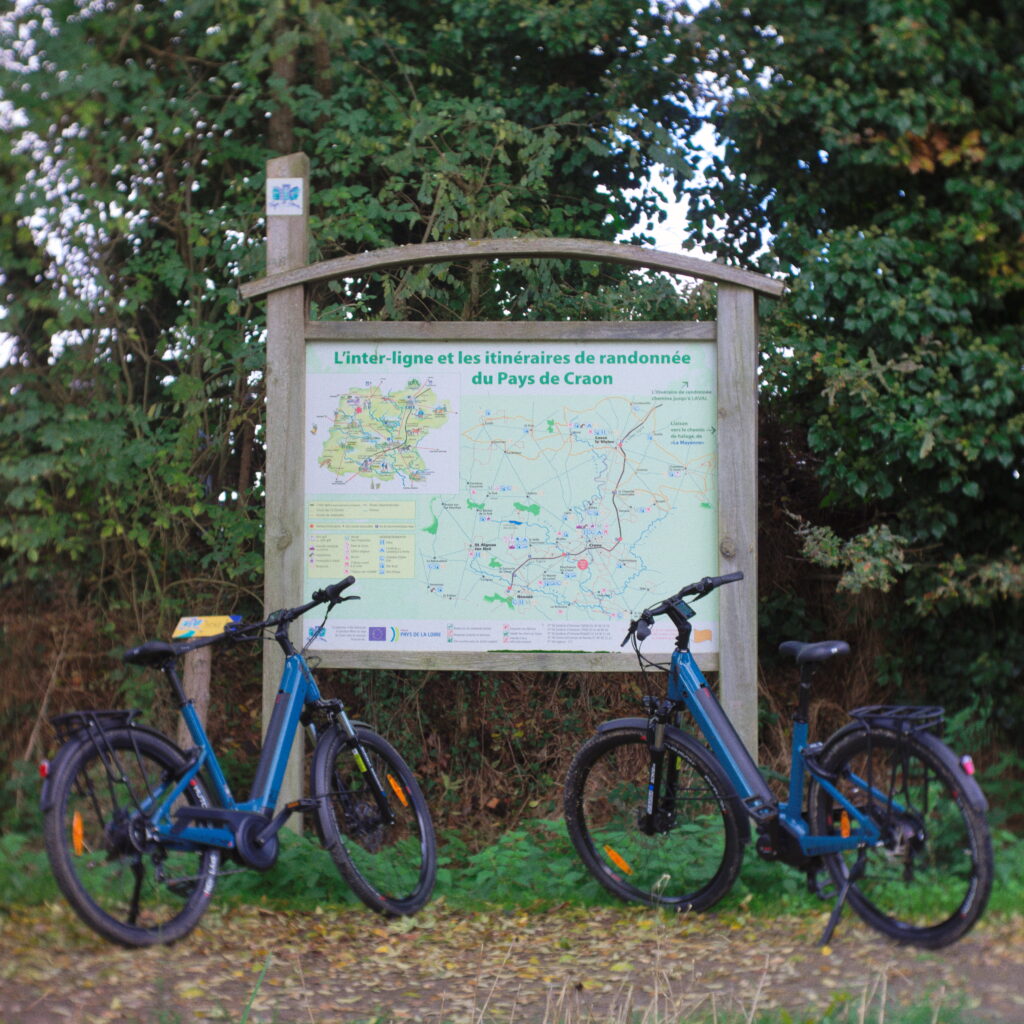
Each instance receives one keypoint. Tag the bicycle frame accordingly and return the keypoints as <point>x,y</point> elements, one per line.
<point>297,690</point>
<point>688,686</point>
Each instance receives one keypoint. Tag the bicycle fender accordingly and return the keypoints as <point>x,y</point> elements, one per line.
<point>71,746</point>
<point>972,793</point>
<point>623,723</point>
<point>684,739</point>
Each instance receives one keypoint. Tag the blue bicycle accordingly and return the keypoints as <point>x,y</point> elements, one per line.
<point>889,813</point>
<point>137,830</point>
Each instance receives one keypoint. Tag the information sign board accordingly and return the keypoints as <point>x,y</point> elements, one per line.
<point>495,497</point>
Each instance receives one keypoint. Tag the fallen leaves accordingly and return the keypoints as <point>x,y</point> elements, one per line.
<point>455,966</point>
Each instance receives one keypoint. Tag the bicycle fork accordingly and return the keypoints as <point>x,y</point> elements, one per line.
<point>339,718</point>
<point>663,774</point>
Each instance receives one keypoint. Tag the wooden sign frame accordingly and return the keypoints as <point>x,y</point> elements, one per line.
<point>734,333</point>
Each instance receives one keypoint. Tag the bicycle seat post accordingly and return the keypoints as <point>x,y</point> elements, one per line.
<point>804,692</point>
<point>170,669</point>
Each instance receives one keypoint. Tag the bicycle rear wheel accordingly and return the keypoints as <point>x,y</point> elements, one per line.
<point>928,881</point>
<point>687,854</point>
<point>120,880</point>
<point>391,865</point>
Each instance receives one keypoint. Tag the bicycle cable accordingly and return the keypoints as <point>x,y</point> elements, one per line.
<point>314,633</point>
<point>645,662</point>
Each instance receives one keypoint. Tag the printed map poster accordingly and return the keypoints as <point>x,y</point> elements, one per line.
<point>495,497</point>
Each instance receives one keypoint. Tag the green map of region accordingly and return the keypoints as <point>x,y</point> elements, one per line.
<point>377,435</point>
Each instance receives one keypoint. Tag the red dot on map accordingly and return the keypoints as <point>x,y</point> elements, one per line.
<point>582,564</point>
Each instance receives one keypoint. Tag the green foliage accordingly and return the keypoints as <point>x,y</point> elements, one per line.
<point>871,151</point>
<point>875,558</point>
<point>131,444</point>
<point>303,877</point>
<point>25,875</point>
<point>19,796</point>
<point>533,864</point>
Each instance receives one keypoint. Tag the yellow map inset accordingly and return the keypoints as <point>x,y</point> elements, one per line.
<point>376,435</point>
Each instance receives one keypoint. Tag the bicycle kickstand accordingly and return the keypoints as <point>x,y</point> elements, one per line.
<point>852,875</point>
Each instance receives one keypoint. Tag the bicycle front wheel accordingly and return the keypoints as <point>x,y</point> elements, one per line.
<point>928,880</point>
<point>119,878</point>
<point>685,852</point>
<point>380,837</point>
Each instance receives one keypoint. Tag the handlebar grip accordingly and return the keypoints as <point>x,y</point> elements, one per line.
<point>333,592</point>
<point>640,628</point>
<point>704,587</point>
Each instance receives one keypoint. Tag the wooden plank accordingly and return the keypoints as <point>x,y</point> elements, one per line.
<point>633,256</point>
<point>737,505</point>
<point>287,248</point>
<point>497,661</point>
<point>487,330</point>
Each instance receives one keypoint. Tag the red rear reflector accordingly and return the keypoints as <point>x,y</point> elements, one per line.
<point>44,769</point>
<point>967,763</point>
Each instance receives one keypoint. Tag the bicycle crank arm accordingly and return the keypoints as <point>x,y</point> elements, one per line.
<point>277,822</point>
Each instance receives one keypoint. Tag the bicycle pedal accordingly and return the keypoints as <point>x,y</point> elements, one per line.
<point>763,813</point>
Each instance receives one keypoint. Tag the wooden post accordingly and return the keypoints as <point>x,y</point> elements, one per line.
<point>737,506</point>
<point>195,680</point>
<point>287,249</point>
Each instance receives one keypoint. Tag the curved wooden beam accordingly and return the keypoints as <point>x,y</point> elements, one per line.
<point>514,248</point>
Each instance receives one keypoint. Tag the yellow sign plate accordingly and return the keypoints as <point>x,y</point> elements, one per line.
<point>202,625</point>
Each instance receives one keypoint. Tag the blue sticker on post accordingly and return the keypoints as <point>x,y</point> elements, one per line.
<point>284,197</point>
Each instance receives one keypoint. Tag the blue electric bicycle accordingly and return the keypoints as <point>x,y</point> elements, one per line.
<point>137,829</point>
<point>890,814</point>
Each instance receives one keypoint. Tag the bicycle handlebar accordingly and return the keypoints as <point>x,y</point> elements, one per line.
<point>242,631</point>
<point>641,626</point>
<point>330,595</point>
<point>161,653</point>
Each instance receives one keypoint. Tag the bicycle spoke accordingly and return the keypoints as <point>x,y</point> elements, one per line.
<point>927,880</point>
<point>375,822</point>
<point>103,849</point>
<point>685,851</point>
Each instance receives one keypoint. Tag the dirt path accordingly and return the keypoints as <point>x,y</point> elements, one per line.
<point>568,964</point>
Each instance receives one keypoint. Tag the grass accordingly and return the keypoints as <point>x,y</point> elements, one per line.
<point>532,865</point>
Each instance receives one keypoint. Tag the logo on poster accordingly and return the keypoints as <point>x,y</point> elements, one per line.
<point>284,197</point>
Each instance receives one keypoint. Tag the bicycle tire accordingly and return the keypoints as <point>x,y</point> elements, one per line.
<point>695,855</point>
<point>125,885</point>
<point>390,867</point>
<point>928,881</point>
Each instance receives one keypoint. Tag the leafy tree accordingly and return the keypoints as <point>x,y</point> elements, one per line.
<point>130,451</point>
<point>875,147</point>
